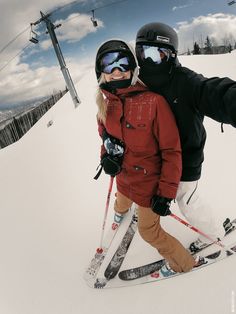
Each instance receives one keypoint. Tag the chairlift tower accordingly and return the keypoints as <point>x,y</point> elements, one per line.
<point>66,74</point>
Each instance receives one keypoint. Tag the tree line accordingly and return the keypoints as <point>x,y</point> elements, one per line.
<point>210,46</point>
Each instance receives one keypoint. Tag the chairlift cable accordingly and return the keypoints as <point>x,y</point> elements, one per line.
<point>97,8</point>
<point>89,11</point>
<point>17,54</point>
<point>14,57</point>
<point>63,6</point>
<point>11,41</point>
<point>104,6</point>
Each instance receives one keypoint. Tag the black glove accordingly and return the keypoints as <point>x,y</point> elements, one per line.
<point>113,146</point>
<point>111,164</point>
<point>112,160</point>
<point>161,205</point>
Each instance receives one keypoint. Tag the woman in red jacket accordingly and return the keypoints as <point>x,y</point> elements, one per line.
<point>141,147</point>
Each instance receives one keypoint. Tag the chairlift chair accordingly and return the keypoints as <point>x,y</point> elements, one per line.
<point>33,35</point>
<point>94,21</point>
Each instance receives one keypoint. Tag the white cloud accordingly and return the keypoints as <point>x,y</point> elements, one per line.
<point>23,83</point>
<point>181,7</point>
<point>216,26</point>
<point>45,44</point>
<point>16,16</point>
<point>76,27</point>
<point>72,29</point>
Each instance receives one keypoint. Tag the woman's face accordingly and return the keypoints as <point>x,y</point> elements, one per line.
<point>117,75</point>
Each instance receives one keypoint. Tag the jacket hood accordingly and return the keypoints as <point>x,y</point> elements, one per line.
<point>139,87</point>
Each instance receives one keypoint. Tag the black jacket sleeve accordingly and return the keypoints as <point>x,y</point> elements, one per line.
<point>213,97</point>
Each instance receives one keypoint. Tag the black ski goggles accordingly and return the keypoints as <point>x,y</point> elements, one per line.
<point>154,54</point>
<point>113,60</point>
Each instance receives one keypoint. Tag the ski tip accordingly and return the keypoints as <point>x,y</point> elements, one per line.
<point>99,250</point>
<point>114,226</point>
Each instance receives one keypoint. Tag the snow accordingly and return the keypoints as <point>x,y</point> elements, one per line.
<point>52,210</point>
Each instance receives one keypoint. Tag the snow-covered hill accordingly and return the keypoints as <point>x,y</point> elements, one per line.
<point>51,213</point>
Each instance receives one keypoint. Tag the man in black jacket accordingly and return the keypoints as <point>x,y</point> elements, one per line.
<point>191,96</point>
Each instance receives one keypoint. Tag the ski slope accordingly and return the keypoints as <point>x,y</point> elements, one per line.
<point>51,213</point>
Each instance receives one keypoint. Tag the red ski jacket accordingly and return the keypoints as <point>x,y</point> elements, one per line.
<point>152,160</point>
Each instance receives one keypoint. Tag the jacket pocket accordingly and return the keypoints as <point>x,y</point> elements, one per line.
<point>136,134</point>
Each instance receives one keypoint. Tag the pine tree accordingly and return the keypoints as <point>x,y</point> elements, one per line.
<point>196,49</point>
<point>208,46</point>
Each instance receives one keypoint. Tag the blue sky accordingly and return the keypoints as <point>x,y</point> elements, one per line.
<point>35,71</point>
<point>125,18</point>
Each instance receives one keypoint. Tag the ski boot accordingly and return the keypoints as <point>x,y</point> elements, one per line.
<point>228,226</point>
<point>197,246</point>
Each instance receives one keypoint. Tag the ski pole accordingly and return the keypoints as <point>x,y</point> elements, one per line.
<point>218,242</point>
<point>100,250</point>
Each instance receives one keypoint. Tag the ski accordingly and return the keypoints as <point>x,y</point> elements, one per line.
<point>203,261</point>
<point>113,267</point>
<point>99,257</point>
<point>117,259</point>
<point>160,274</point>
<point>141,271</point>
<point>144,270</point>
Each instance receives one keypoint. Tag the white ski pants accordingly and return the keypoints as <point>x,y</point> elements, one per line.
<point>197,212</point>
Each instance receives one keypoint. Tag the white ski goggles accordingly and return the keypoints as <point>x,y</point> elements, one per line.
<point>112,60</point>
<point>153,53</point>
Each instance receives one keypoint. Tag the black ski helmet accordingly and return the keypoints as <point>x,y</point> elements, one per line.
<point>114,45</point>
<point>158,33</point>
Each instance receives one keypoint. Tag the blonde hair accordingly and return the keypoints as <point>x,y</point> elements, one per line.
<point>101,102</point>
<point>100,97</point>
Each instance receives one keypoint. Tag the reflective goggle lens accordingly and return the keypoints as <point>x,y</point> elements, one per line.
<point>113,60</point>
<point>154,54</point>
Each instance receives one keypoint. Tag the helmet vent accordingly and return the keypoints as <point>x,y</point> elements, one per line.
<point>150,35</point>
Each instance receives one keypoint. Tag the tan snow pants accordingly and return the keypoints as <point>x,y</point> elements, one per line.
<point>151,231</point>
